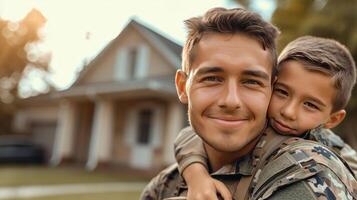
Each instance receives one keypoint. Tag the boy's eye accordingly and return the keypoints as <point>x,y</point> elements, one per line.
<point>311,106</point>
<point>281,92</point>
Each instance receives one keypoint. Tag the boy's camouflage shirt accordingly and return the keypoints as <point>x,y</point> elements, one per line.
<point>330,139</point>
<point>317,173</point>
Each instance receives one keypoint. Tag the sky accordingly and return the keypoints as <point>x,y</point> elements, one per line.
<point>76,30</point>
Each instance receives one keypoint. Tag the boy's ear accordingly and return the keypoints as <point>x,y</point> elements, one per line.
<point>180,81</point>
<point>335,119</point>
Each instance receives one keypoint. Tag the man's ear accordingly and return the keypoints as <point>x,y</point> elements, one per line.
<point>335,119</point>
<point>180,81</point>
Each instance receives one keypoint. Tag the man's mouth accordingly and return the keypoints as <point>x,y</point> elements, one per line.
<point>283,128</point>
<point>228,121</point>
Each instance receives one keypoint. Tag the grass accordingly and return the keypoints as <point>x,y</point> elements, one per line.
<point>16,176</point>
<point>12,176</point>
<point>101,196</point>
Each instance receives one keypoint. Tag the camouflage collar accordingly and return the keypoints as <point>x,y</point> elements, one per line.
<point>241,167</point>
<point>246,164</point>
<point>326,137</point>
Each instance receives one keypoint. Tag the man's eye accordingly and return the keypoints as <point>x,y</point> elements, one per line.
<point>281,92</point>
<point>252,82</point>
<point>311,106</point>
<point>212,79</point>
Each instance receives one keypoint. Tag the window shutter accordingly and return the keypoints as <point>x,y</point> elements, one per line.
<point>120,68</point>
<point>142,61</point>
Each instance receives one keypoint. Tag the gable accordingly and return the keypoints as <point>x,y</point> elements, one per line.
<point>132,55</point>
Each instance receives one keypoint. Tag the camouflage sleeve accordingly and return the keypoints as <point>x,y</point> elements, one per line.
<point>189,149</point>
<point>323,186</point>
<point>350,156</point>
<point>152,190</point>
<point>330,139</point>
<point>335,180</point>
<point>308,170</point>
<point>327,185</point>
<point>345,150</point>
<point>155,188</point>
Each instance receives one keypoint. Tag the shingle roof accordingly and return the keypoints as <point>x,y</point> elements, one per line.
<point>176,48</point>
<point>168,43</point>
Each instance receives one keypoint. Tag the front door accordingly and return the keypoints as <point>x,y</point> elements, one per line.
<point>142,150</point>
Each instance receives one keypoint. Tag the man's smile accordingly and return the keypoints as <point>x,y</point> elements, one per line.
<point>228,121</point>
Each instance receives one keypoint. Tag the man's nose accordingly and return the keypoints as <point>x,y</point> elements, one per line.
<point>230,99</point>
<point>289,110</point>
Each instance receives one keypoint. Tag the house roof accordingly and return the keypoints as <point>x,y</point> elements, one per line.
<point>167,47</point>
<point>155,86</point>
<point>173,46</point>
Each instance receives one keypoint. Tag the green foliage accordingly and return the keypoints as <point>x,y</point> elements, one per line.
<point>18,50</point>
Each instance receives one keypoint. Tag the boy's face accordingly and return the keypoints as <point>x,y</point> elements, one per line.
<point>227,90</point>
<point>302,99</point>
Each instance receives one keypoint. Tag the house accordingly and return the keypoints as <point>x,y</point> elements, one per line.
<point>122,109</point>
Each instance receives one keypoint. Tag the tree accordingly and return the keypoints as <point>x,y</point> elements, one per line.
<point>18,52</point>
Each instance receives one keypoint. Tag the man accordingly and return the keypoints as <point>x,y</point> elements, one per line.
<point>229,60</point>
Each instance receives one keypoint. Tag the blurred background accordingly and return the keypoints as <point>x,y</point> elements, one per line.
<point>88,107</point>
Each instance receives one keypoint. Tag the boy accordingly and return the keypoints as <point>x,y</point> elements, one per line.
<point>314,83</point>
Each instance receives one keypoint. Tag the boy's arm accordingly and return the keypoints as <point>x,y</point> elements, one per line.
<point>192,164</point>
<point>189,149</point>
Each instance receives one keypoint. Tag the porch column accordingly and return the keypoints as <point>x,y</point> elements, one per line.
<point>20,122</point>
<point>102,133</point>
<point>63,144</point>
<point>175,124</point>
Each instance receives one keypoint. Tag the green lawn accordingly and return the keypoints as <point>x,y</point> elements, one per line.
<point>36,175</point>
<point>96,196</point>
<point>15,176</point>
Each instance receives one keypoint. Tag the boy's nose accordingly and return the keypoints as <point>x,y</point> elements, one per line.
<point>289,110</point>
<point>230,99</point>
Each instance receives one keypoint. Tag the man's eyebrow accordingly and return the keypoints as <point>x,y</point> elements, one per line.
<point>205,70</point>
<point>257,73</point>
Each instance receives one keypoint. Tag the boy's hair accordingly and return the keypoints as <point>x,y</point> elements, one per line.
<point>326,56</point>
<point>228,21</point>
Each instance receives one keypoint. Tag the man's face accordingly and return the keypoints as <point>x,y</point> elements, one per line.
<point>227,90</point>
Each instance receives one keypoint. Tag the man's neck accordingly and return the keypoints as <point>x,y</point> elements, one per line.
<point>218,159</point>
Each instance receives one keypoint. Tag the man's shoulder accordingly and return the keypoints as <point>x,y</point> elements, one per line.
<point>163,184</point>
<point>307,165</point>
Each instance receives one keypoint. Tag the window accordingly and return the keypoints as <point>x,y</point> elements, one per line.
<point>132,62</point>
<point>132,58</point>
<point>144,126</point>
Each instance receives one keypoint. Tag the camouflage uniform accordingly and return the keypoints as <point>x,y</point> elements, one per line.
<point>292,168</point>
<point>330,139</point>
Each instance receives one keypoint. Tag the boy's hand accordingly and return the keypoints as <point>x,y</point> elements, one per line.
<point>201,186</point>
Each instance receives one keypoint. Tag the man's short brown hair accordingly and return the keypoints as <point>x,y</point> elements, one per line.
<point>228,21</point>
<point>326,56</point>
